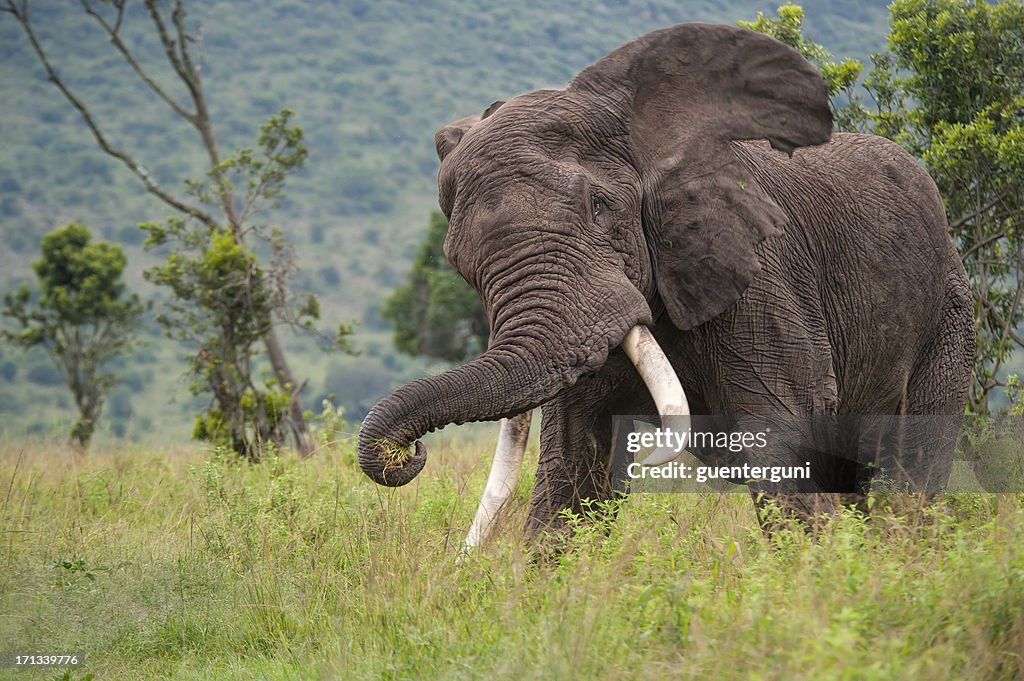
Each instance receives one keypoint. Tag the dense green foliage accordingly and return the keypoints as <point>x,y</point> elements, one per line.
<point>436,313</point>
<point>172,566</point>
<point>370,81</point>
<point>81,316</point>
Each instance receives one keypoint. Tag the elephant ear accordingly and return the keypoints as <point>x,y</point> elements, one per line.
<point>686,94</point>
<point>448,137</point>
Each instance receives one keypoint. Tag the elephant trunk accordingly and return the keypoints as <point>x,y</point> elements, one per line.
<point>502,382</point>
<point>534,355</point>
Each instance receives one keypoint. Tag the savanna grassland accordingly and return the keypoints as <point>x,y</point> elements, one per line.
<point>183,564</point>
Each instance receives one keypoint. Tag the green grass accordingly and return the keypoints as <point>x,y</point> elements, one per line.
<point>186,565</point>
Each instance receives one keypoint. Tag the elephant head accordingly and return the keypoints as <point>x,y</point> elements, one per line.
<point>574,213</point>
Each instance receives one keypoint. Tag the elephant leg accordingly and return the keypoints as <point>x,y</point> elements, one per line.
<point>814,440</point>
<point>941,378</point>
<point>776,509</point>
<point>921,447</point>
<point>574,463</point>
<point>576,459</point>
<point>792,376</point>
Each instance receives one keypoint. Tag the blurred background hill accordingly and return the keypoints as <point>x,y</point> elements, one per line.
<point>371,81</point>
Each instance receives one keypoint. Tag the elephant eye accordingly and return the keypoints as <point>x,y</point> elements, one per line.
<point>597,208</point>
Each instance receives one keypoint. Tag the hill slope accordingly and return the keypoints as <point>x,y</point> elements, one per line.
<point>371,82</point>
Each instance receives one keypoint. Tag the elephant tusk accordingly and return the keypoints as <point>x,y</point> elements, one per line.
<point>501,483</point>
<point>661,380</point>
<point>657,373</point>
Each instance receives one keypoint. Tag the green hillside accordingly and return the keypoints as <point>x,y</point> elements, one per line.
<point>371,82</point>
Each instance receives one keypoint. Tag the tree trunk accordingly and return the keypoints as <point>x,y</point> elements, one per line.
<point>296,415</point>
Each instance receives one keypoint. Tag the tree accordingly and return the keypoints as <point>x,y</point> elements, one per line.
<point>212,232</point>
<point>226,302</point>
<point>436,313</point>
<point>950,90</point>
<point>81,317</point>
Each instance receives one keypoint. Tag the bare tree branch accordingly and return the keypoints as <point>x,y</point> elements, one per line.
<point>168,43</point>
<point>978,211</point>
<point>120,14</point>
<point>178,17</point>
<point>12,8</point>
<point>115,40</point>
<point>21,14</point>
<point>175,45</point>
<point>982,244</point>
<point>180,58</point>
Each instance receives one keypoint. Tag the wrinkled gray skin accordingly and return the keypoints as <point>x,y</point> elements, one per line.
<point>658,188</point>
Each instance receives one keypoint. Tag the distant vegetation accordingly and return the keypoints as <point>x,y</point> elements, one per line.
<point>80,315</point>
<point>436,313</point>
<point>370,83</point>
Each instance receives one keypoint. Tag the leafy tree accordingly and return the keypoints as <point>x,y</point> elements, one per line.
<point>229,274</point>
<point>81,317</point>
<point>225,301</point>
<point>950,90</point>
<point>436,313</point>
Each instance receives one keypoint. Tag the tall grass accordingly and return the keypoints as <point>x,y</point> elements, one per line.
<point>187,565</point>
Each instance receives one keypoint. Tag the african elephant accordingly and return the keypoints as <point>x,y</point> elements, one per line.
<point>688,183</point>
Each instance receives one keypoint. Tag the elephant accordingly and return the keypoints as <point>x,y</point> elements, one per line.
<point>685,193</point>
